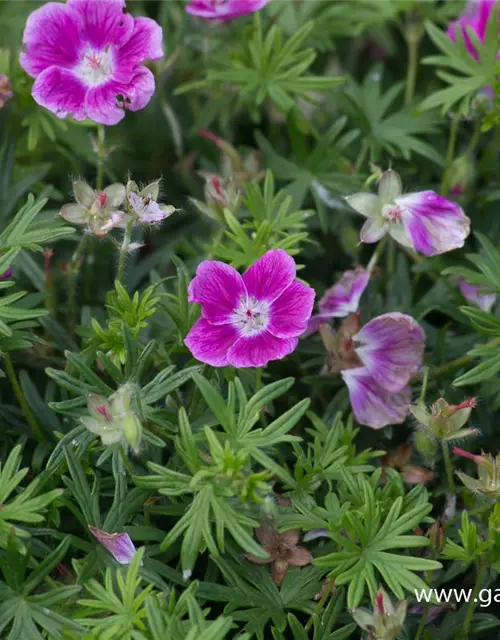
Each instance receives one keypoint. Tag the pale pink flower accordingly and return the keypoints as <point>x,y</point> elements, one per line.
<point>424,221</point>
<point>342,299</point>
<point>377,363</point>
<point>476,294</point>
<point>248,320</point>
<point>224,10</point>
<point>87,59</point>
<point>119,545</point>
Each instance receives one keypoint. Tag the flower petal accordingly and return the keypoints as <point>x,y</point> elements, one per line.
<point>389,187</point>
<point>373,230</point>
<point>373,406</point>
<point>218,288</point>
<point>209,343</point>
<point>61,92</point>
<point>391,348</point>
<point>224,11</point>
<point>290,537</point>
<point>118,544</point>
<point>433,223</point>
<point>74,213</point>
<point>367,204</point>
<point>115,195</point>
<point>267,536</point>
<point>258,350</point>
<point>343,298</point>
<point>107,103</point>
<point>290,312</point>
<point>314,323</point>
<point>51,38</point>
<point>476,294</point>
<point>104,23</point>
<point>145,43</point>
<point>279,571</point>
<point>268,278</point>
<point>299,557</point>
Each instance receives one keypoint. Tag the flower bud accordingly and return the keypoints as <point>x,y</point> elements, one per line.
<point>488,467</point>
<point>437,537</point>
<point>445,421</point>
<point>461,175</point>
<point>425,444</point>
<point>386,620</point>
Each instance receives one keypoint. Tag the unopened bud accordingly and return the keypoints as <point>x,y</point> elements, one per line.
<point>437,537</point>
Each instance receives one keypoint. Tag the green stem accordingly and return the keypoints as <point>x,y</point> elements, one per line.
<point>474,138</point>
<point>361,156</point>
<point>124,250</point>
<point>448,466</point>
<point>23,403</point>
<point>101,138</point>
<point>391,257</point>
<point>423,391</point>
<point>319,606</point>
<point>422,621</point>
<point>452,143</point>
<point>73,270</point>
<point>473,600</point>
<point>413,38</point>
<point>376,255</point>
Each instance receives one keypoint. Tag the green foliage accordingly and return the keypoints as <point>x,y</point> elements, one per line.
<point>264,67</point>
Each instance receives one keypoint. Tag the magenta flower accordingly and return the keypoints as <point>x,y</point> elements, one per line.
<point>248,320</point>
<point>478,295</point>
<point>474,17</point>
<point>119,545</point>
<point>87,59</point>
<point>377,364</point>
<point>342,299</point>
<point>424,221</point>
<point>224,10</point>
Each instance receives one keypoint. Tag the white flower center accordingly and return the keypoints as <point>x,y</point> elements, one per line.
<point>252,316</point>
<point>96,67</point>
<point>393,212</point>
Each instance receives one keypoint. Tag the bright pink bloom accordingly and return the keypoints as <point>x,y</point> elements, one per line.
<point>342,299</point>
<point>87,59</point>
<point>475,17</point>
<point>477,294</point>
<point>224,10</point>
<point>248,320</point>
<point>119,545</point>
<point>377,364</point>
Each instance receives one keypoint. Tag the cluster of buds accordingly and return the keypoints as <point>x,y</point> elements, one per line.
<point>443,422</point>
<point>385,621</point>
<point>113,420</point>
<point>115,207</point>
<point>488,468</point>
<point>223,190</point>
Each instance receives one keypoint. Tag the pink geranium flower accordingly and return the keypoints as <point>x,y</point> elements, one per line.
<point>119,545</point>
<point>342,299</point>
<point>87,59</point>
<point>224,10</point>
<point>248,320</point>
<point>475,17</point>
<point>424,221</point>
<point>377,363</point>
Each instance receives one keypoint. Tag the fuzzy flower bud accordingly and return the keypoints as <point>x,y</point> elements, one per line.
<point>220,194</point>
<point>143,206</point>
<point>99,210</point>
<point>445,421</point>
<point>488,468</point>
<point>113,420</point>
<point>385,621</point>
<point>461,176</point>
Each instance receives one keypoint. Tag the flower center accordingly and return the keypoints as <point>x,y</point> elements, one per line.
<point>96,67</point>
<point>393,212</point>
<point>252,316</point>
